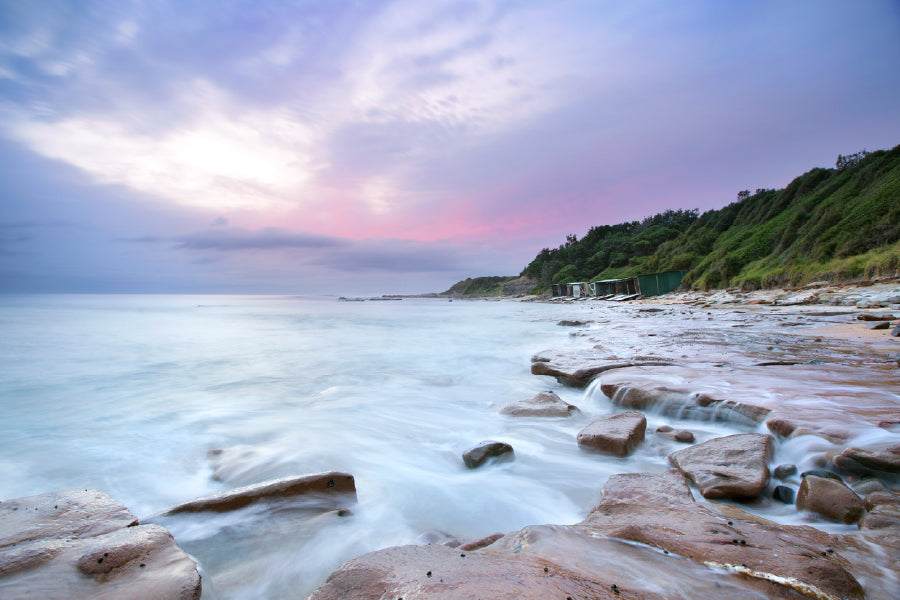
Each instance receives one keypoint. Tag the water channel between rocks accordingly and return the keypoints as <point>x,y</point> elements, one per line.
<point>159,400</point>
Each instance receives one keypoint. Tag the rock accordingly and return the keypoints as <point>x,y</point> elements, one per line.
<point>821,473</point>
<point>568,323</point>
<point>439,538</point>
<point>733,466</point>
<point>896,331</point>
<point>874,317</point>
<point>646,488</point>
<point>618,435</point>
<point>882,516</point>
<point>882,497</point>
<point>784,494</point>
<point>829,498</point>
<point>685,437</point>
<point>781,427</point>
<point>880,458</point>
<point>682,404</point>
<point>784,471</point>
<point>664,429</point>
<point>325,490</point>
<point>84,544</point>
<point>545,404</point>
<point>482,543</point>
<point>868,486</point>
<point>477,456</point>
<point>881,325</point>
<point>577,372</point>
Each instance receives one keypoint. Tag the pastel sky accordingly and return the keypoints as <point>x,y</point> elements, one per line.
<point>399,146</point>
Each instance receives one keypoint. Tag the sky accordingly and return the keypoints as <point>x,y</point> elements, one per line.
<point>153,146</point>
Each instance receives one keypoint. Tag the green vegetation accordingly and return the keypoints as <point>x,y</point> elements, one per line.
<point>479,286</point>
<point>828,224</point>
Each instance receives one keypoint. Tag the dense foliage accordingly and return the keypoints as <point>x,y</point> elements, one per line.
<point>833,224</point>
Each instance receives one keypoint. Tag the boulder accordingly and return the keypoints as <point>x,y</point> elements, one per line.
<point>545,404</point>
<point>618,435</point>
<point>325,490</point>
<point>784,471</point>
<point>478,455</point>
<point>84,544</point>
<point>829,498</point>
<point>733,466</point>
<point>884,458</point>
<point>880,325</point>
<point>683,404</point>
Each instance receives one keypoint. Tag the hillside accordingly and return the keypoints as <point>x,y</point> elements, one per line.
<point>828,224</point>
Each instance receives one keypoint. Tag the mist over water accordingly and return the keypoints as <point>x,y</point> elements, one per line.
<point>129,394</point>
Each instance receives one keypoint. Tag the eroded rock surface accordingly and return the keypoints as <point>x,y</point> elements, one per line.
<point>545,404</point>
<point>578,372</point>
<point>618,434</point>
<point>84,544</point>
<point>733,466</point>
<point>330,490</point>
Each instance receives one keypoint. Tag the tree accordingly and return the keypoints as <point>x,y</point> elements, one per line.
<point>743,195</point>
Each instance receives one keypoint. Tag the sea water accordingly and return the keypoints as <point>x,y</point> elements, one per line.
<point>158,400</point>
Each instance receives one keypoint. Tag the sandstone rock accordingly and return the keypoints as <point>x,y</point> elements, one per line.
<point>781,427</point>
<point>784,471</point>
<point>646,488</point>
<point>881,325</point>
<point>874,317</point>
<point>478,455</point>
<point>882,516</point>
<point>881,497</point>
<point>784,494</point>
<point>83,544</point>
<point>683,436</point>
<point>733,466</point>
<point>618,435</point>
<point>545,404</point>
<point>326,490</point>
<point>682,404</point>
<point>829,498</point>
<point>868,486</point>
<point>578,373</point>
<point>880,458</point>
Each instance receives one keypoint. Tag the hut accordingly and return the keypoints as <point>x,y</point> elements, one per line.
<point>659,283</point>
<point>558,289</point>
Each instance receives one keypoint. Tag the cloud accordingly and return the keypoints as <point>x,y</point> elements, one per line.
<point>269,238</point>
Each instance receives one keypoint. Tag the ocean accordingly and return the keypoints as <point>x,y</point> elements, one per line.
<point>131,394</point>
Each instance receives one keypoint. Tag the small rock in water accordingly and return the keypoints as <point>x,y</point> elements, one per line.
<point>477,456</point>
<point>784,471</point>
<point>784,494</point>
<point>545,404</point>
<point>664,429</point>
<point>684,436</point>
<point>881,325</point>
<point>618,435</point>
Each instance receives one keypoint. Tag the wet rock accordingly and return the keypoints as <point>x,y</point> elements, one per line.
<point>868,486</point>
<point>884,458</point>
<point>478,455</point>
<point>896,331</point>
<point>325,490</point>
<point>618,435</point>
<point>482,543</point>
<point>84,544</point>
<point>683,436</point>
<point>570,323</point>
<point>881,325</point>
<point>545,404</point>
<point>438,538</point>
<point>784,494</point>
<point>821,473</point>
<point>733,466</point>
<point>830,499</point>
<point>881,497</point>
<point>784,471</point>
<point>882,516</point>
<point>669,487</point>
<point>578,373</point>
<point>781,427</point>
<point>875,317</point>
<point>682,404</point>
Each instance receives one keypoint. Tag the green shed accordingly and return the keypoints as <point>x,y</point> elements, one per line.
<point>660,283</point>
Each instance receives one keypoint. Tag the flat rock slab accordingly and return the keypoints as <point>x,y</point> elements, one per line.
<point>646,488</point>
<point>328,490</point>
<point>545,404</point>
<point>618,435</point>
<point>733,466</point>
<point>683,404</point>
<point>478,455</point>
<point>84,544</point>
<point>830,498</point>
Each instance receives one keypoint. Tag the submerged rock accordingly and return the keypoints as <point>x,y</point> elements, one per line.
<point>830,498</point>
<point>733,466</point>
<point>683,405</point>
<point>477,456</point>
<point>545,404</point>
<point>618,435</point>
<point>328,490</point>
<point>84,544</point>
